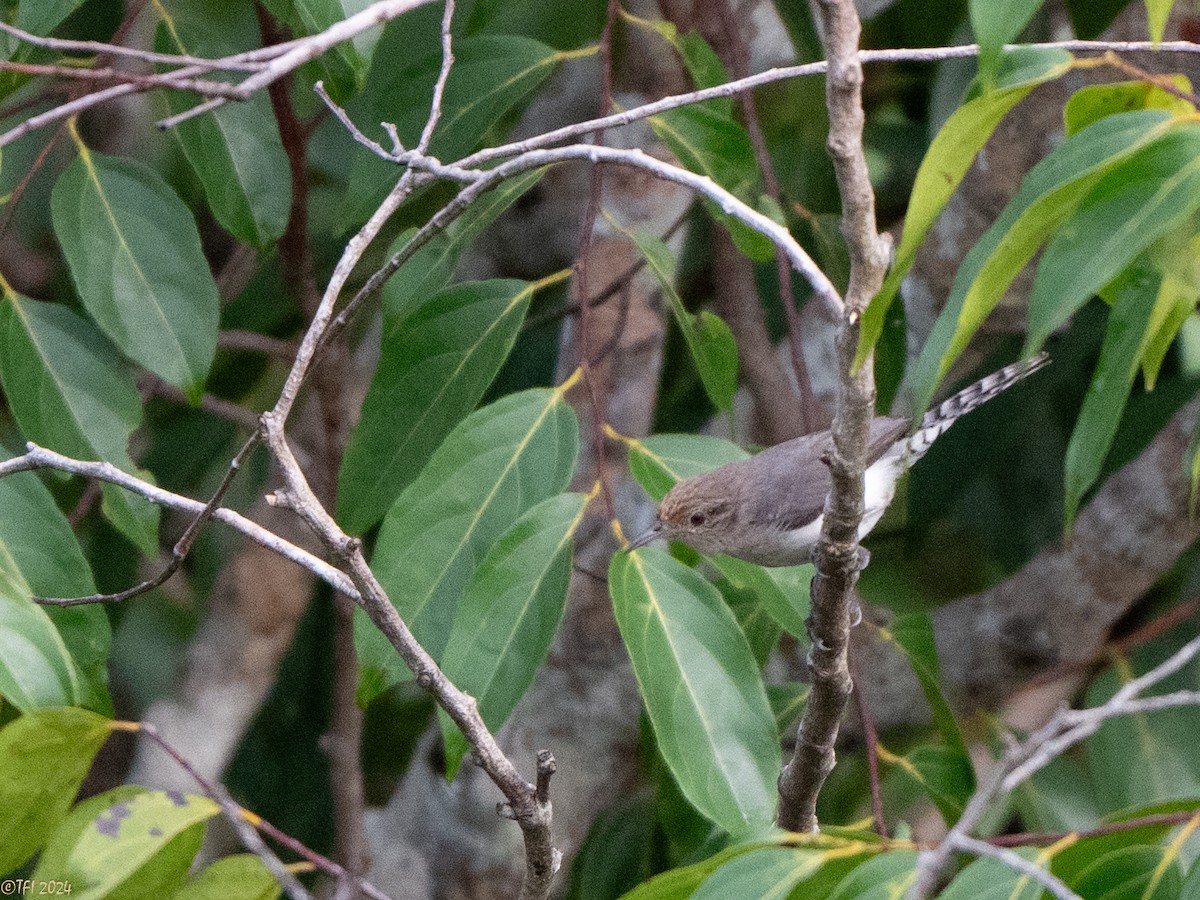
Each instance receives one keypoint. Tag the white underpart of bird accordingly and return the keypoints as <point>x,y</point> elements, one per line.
<point>769,509</point>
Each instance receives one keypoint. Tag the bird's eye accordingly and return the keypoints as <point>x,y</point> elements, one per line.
<point>699,518</point>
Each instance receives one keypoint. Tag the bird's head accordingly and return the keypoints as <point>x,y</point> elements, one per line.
<point>697,512</point>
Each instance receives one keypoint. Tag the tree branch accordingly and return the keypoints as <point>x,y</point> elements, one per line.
<point>1019,761</point>
<point>837,554</point>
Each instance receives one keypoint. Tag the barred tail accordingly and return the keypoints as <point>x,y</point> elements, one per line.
<point>942,416</point>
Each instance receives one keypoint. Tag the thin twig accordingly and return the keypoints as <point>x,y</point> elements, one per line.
<point>439,86</point>
<point>254,822</point>
<point>182,547</point>
<point>739,57</point>
<point>40,458</point>
<point>871,745</point>
<point>152,385</point>
<point>1041,839</point>
<point>252,341</point>
<point>1065,729</point>
<point>595,394</point>
<point>1018,863</point>
<point>536,159</point>
<point>146,80</point>
<point>343,739</point>
<point>236,816</point>
<point>785,73</point>
<point>542,859</point>
<point>306,50</point>
<point>99,47</point>
<point>614,287</point>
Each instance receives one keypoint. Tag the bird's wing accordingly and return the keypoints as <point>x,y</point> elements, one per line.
<point>795,480</point>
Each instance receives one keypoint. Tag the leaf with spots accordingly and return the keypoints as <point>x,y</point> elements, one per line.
<point>128,842</point>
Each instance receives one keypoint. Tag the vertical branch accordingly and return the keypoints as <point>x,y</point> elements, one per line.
<point>837,554</point>
<point>344,735</point>
<point>595,394</point>
<point>738,56</point>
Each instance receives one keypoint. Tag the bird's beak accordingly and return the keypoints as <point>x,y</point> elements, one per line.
<point>646,537</point>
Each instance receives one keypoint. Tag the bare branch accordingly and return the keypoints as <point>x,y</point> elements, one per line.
<point>439,87</point>
<point>99,47</point>
<point>837,554</point>
<point>41,458</point>
<point>542,860</point>
<point>1063,731</point>
<point>307,49</point>
<point>182,547</point>
<point>236,817</point>
<point>1018,863</point>
<point>784,73</point>
<point>247,825</point>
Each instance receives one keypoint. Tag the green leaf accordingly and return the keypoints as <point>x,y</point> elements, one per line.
<point>946,162</point>
<point>69,392</point>
<point>700,60</point>
<point>44,757</point>
<point>499,462</point>
<point>1132,873</point>
<point>430,268</point>
<point>128,842</point>
<point>1059,797</point>
<point>913,634</point>
<point>235,150</point>
<point>438,359</point>
<point>1048,196</point>
<point>1095,101</point>
<point>39,539</point>
<point>766,872</point>
<point>344,66</point>
<point>679,884</point>
<point>1175,304</point>
<point>657,462</point>
<point>509,615</point>
<point>995,24</point>
<point>134,254</point>
<point>44,16</point>
<point>491,75</point>
<point>617,852</point>
<point>706,140</point>
<point>1163,742</point>
<point>783,592</point>
<point>1125,340</point>
<point>243,877</point>
<point>35,669</point>
<point>1089,18</point>
<point>708,337</point>
<point>943,773</point>
<point>990,879</point>
<point>885,877</point>
<point>1191,887</point>
<point>1134,205</point>
<point>1157,13</point>
<point>1071,861</point>
<point>701,687</point>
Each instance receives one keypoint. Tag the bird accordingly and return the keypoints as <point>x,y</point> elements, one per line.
<point>768,509</point>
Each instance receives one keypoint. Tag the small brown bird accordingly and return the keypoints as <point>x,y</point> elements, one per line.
<point>768,509</point>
